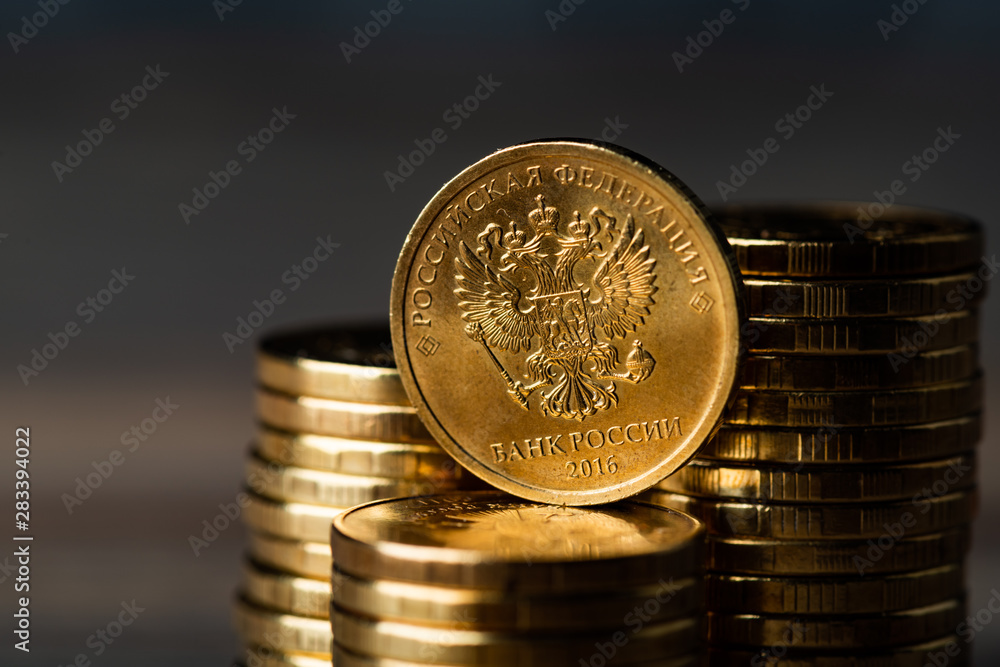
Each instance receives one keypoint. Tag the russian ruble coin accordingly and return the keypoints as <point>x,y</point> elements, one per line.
<point>488,539</point>
<point>580,291</point>
<point>325,416</point>
<point>900,338</point>
<point>837,445</point>
<point>285,592</point>
<point>878,630</point>
<point>847,521</point>
<point>461,646</point>
<point>901,297</point>
<point>927,479</point>
<point>753,407</point>
<point>344,363</point>
<point>306,559</point>
<point>885,554</point>
<point>738,593</point>
<point>399,460</point>
<point>836,239</point>
<point>950,648</point>
<point>853,372</point>
<point>345,658</point>
<point>294,521</point>
<point>496,609</point>
<point>322,487</point>
<point>285,633</point>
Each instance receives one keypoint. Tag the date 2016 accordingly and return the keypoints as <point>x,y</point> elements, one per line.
<point>592,467</point>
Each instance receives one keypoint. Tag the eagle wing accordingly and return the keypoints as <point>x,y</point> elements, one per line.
<point>624,282</point>
<point>488,298</point>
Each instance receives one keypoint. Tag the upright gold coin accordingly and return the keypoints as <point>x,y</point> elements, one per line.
<point>581,293</point>
<point>343,363</point>
<point>829,239</point>
<point>488,539</point>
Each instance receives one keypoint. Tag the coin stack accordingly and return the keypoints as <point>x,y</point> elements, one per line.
<point>335,430</point>
<point>839,491</point>
<point>483,578</point>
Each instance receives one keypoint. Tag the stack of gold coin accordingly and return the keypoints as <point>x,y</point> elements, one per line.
<point>839,491</point>
<point>335,430</point>
<point>483,578</point>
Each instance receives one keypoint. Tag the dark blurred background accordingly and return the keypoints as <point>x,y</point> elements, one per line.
<point>593,69</point>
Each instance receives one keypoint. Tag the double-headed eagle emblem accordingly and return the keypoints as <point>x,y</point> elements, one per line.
<point>563,290</point>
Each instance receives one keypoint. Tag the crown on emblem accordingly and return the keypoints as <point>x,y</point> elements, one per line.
<point>542,218</point>
<point>579,228</point>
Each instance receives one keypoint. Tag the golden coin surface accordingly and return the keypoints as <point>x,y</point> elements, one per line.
<point>885,554</point>
<point>345,658</point>
<point>286,633</point>
<point>855,408</point>
<point>863,298</point>
<point>710,479</point>
<point>294,521</point>
<point>322,487</point>
<point>843,372</point>
<point>265,656</point>
<point>488,539</point>
<point>459,645</point>
<point>580,292</point>
<point>839,445</point>
<point>829,239</point>
<point>902,337</point>
<point>325,416</point>
<point>345,363</point>
<point>824,521</point>
<point>914,655</point>
<point>837,632</point>
<point>399,460</point>
<point>306,559</point>
<point>734,593</point>
<point>284,592</point>
<point>494,609</point>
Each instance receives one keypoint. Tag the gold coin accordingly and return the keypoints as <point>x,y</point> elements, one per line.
<point>456,644</point>
<point>488,539</point>
<point>284,592</point>
<point>837,445</point>
<point>737,593</point>
<point>581,293</point>
<point>494,609</point>
<point>888,553</point>
<point>282,632</point>
<point>401,460</point>
<point>855,483</point>
<point>295,521</point>
<point>827,521</point>
<point>344,658</point>
<point>838,632</point>
<point>306,559</point>
<point>322,487</point>
<point>265,656</point>
<point>901,337</point>
<point>917,655</point>
<point>325,416</point>
<point>855,408</point>
<point>840,372</point>
<point>863,298</point>
<point>827,239</point>
<point>339,362</point>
